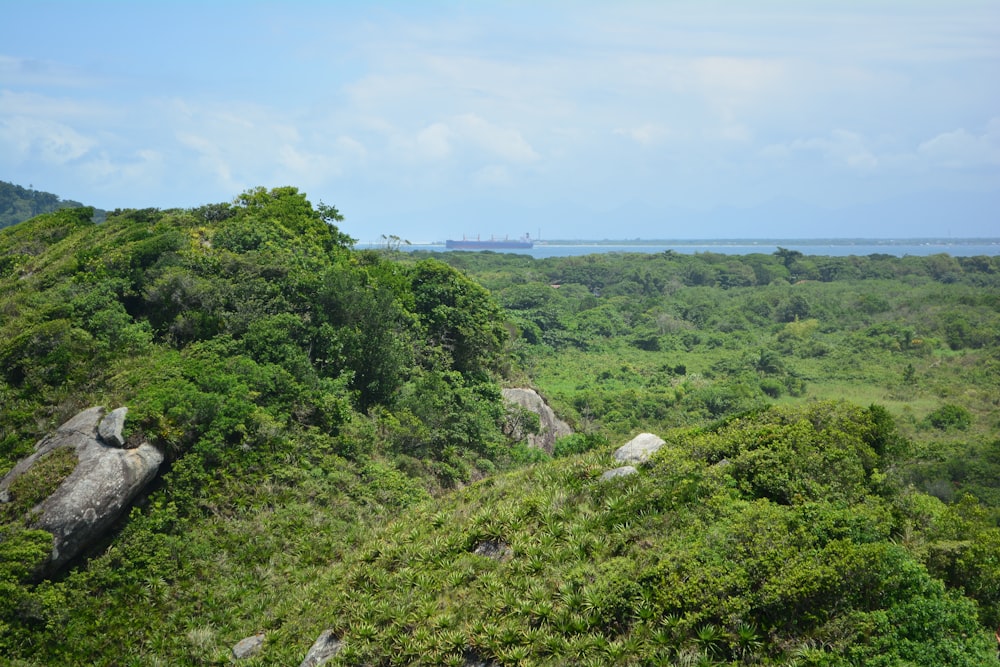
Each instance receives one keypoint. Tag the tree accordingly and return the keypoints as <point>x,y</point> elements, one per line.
<point>459,317</point>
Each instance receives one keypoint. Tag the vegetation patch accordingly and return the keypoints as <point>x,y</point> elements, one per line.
<point>38,483</point>
<point>341,461</point>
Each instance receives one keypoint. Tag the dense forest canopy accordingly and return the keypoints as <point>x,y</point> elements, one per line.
<point>339,457</point>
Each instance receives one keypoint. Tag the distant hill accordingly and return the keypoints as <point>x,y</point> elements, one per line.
<point>18,204</point>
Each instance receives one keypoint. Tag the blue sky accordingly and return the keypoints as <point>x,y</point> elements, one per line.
<point>430,120</point>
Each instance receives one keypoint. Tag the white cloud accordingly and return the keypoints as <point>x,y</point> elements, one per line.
<point>961,148</point>
<point>351,146</point>
<point>733,80</point>
<point>236,145</point>
<point>46,140</point>
<point>211,157</point>
<point>305,166</point>
<point>646,134</point>
<point>492,175</point>
<point>417,103</point>
<point>472,137</point>
<point>840,147</point>
<point>434,141</point>
<point>503,142</point>
<point>143,169</point>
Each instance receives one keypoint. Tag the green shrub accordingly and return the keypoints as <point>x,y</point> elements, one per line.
<point>772,387</point>
<point>578,443</point>
<point>950,416</point>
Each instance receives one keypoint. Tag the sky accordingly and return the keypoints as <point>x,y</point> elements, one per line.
<point>562,120</point>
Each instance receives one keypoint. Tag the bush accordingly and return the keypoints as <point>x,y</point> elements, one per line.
<point>950,416</point>
<point>578,443</point>
<point>772,387</point>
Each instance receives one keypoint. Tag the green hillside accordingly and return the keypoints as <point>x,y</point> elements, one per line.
<point>339,456</point>
<point>773,538</point>
<point>18,204</point>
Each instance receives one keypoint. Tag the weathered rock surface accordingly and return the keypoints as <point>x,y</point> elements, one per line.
<point>322,650</point>
<point>110,428</point>
<point>100,488</point>
<point>639,448</point>
<point>246,648</point>
<point>552,427</point>
<point>496,549</point>
<point>624,471</point>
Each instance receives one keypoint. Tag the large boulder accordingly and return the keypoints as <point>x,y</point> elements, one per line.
<point>325,647</point>
<point>94,495</point>
<point>552,427</point>
<point>639,448</point>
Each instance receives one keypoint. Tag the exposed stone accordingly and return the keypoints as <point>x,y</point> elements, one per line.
<point>473,659</point>
<point>86,504</point>
<point>322,650</point>
<point>110,428</point>
<point>248,647</point>
<point>639,448</point>
<point>624,471</point>
<point>551,427</point>
<point>496,549</point>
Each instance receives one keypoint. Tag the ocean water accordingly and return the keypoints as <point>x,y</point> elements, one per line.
<point>838,248</point>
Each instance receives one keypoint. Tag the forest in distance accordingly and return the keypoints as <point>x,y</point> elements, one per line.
<point>340,461</point>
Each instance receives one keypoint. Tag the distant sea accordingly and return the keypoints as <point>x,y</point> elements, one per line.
<point>828,247</point>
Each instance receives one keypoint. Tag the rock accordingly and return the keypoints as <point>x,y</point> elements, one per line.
<point>473,659</point>
<point>639,448</point>
<point>322,650</point>
<point>624,471</point>
<point>552,427</point>
<point>496,549</point>
<point>248,647</point>
<point>87,503</point>
<point>110,428</point>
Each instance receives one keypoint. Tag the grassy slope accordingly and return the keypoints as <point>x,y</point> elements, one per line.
<point>786,553</point>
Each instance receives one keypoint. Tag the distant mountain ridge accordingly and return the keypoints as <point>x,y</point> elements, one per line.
<point>18,204</point>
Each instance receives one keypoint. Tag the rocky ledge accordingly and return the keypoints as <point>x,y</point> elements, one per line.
<point>104,481</point>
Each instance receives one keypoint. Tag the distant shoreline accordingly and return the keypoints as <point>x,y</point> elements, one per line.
<point>920,241</point>
<point>772,242</point>
<point>964,247</point>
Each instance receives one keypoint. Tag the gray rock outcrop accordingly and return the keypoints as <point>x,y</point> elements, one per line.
<point>324,648</point>
<point>496,549</point>
<point>100,488</point>
<point>246,648</point>
<point>552,427</point>
<point>639,448</point>
<point>110,428</point>
<point>624,471</point>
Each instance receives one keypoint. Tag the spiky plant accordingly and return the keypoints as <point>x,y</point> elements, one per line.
<point>748,640</point>
<point>709,638</point>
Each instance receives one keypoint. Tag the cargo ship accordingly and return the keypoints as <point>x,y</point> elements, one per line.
<point>492,243</point>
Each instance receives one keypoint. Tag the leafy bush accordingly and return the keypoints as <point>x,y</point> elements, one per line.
<point>950,416</point>
<point>578,443</point>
